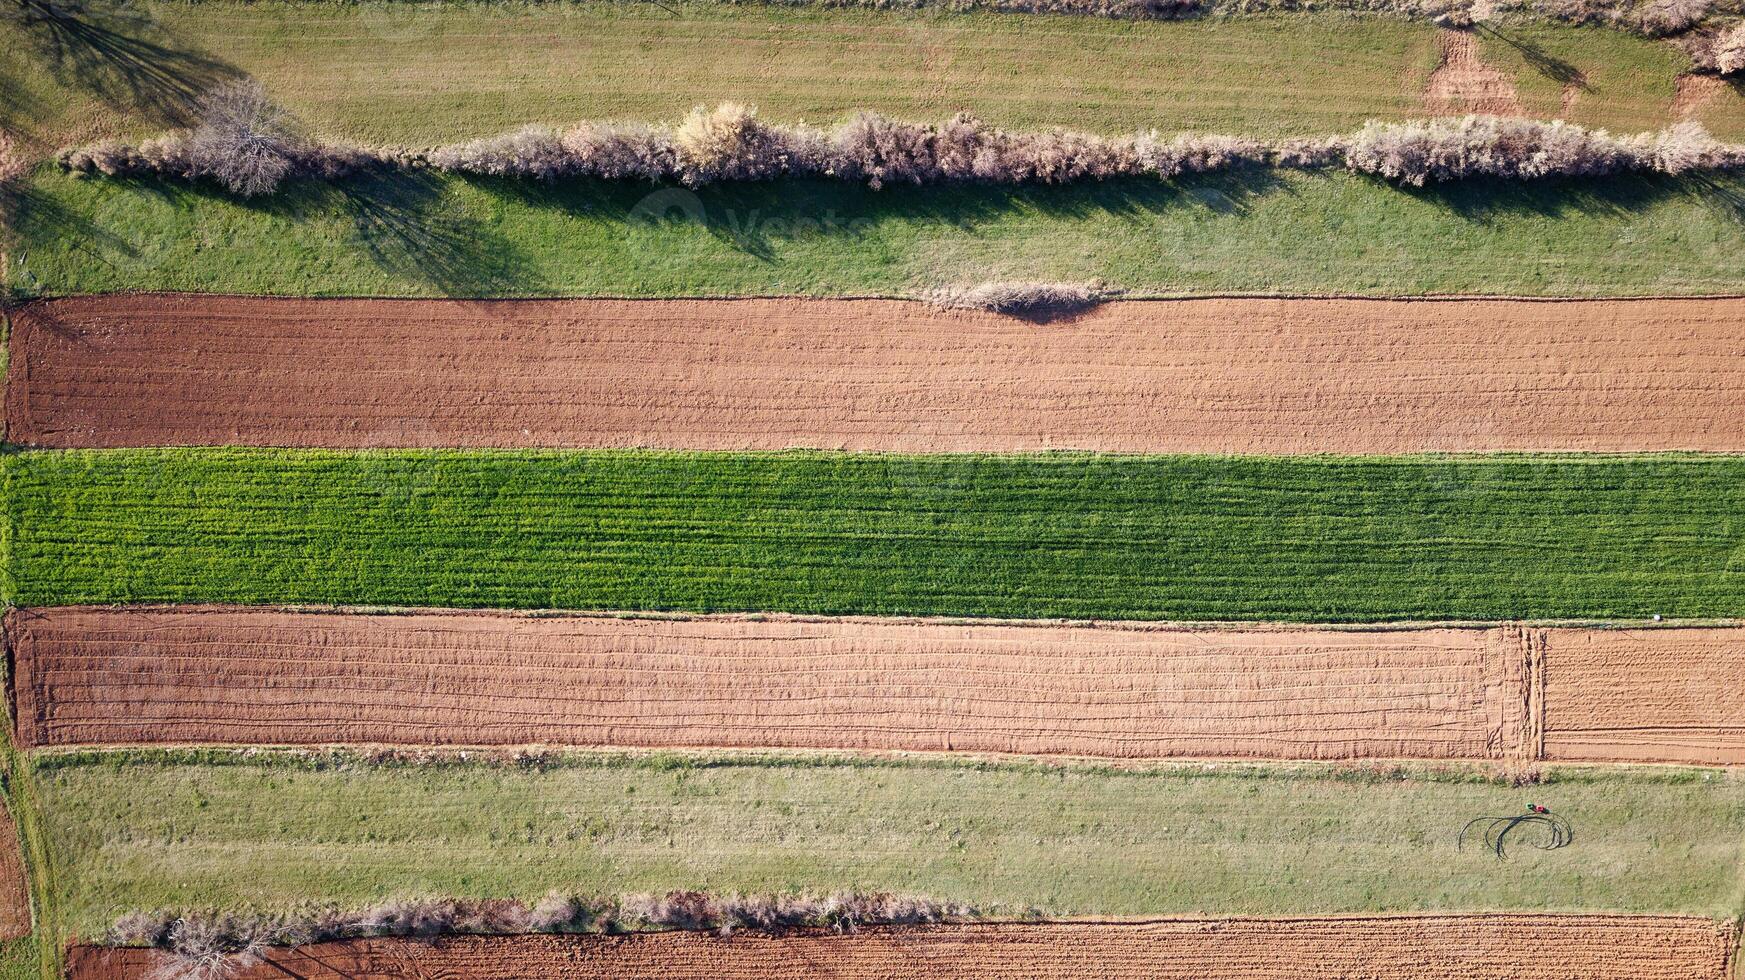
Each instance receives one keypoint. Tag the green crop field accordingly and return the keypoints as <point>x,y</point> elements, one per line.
<point>240,832</point>
<point>1339,539</point>
<point>1281,232</point>
<point>395,73</point>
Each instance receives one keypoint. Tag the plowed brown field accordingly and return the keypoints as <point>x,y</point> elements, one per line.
<point>1488,947</point>
<point>1662,695</point>
<point>1213,375</point>
<point>15,920</point>
<point>88,676</point>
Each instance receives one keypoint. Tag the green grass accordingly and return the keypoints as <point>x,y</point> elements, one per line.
<point>1290,232</point>
<point>1230,840</point>
<point>29,958</point>
<point>21,959</point>
<point>405,74</point>
<point>1319,538</point>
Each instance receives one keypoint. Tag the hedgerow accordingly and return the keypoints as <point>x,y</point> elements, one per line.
<point>1654,18</point>
<point>247,146</point>
<point>212,944</point>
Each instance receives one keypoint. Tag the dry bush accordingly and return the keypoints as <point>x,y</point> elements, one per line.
<point>1730,51</point>
<point>729,142</point>
<point>1663,17</point>
<point>245,147</point>
<point>242,140</point>
<point>199,948</point>
<point>533,151</point>
<point>1688,147</point>
<point>1024,299</point>
<point>619,152</point>
<point>214,945</point>
<point>1418,153</point>
<point>1643,16</point>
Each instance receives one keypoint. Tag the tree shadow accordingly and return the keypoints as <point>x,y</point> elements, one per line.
<point>403,222</point>
<point>30,218</point>
<point>1539,59</point>
<point>118,53</point>
<point>1722,193</point>
<point>755,218</point>
<point>1482,200</point>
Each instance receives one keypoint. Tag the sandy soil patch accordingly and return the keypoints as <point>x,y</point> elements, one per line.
<point>95,676</point>
<point>1259,376</point>
<point>1463,83</point>
<point>1487,947</point>
<point>1662,695</point>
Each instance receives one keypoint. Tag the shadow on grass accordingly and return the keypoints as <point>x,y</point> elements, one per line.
<point>1539,59</point>
<point>118,53</point>
<point>755,218</point>
<point>29,217</point>
<point>419,227</point>
<point>401,222</point>
<point>1484,201</point>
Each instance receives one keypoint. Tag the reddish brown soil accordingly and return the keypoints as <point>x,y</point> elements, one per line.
<point>89,676</point>
<point>1450,947</point>
<point>14,888</point>
<point>1694,94</point>
<point>1463,83</point>
<point>1660,695</point>
<point>1216,375</point>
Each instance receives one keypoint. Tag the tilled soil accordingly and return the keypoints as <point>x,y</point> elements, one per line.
<point>1464,83</point>
<point>1435,947</point>
<point>15,921</point>
<point>104,676</point>
<point>1212,375</point>
<point>1663,695</point>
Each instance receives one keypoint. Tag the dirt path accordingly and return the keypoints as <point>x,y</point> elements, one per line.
<point>1463,83</point>
<point>1445,947</point>
<point>1252,376</point>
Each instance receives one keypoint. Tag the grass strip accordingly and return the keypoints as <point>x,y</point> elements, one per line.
<point>422,234</point>
<point>383,72</point>
<point>1055,535</point>
<point>262,832</point>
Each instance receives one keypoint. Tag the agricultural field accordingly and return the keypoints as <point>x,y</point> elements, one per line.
<point>991,489</point>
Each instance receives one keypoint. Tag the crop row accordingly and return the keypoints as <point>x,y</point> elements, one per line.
<point>1239,538</point>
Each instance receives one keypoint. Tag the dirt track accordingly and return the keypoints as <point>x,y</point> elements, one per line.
<point>1493,947</point>
<point>1261,376</point>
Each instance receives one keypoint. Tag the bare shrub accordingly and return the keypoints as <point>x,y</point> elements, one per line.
<point>532,151</point>
<point>729,142</point>
<point>1417,153</point>
<point>881,151</point>
<point>1730,51</point>
<point>206,948</point>
<point>1663,17</point>
<point>619,152</point>
<point>1625,14</point>
<point>243,140</point>
<point>1024,299</point>
<point>216,945</point>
